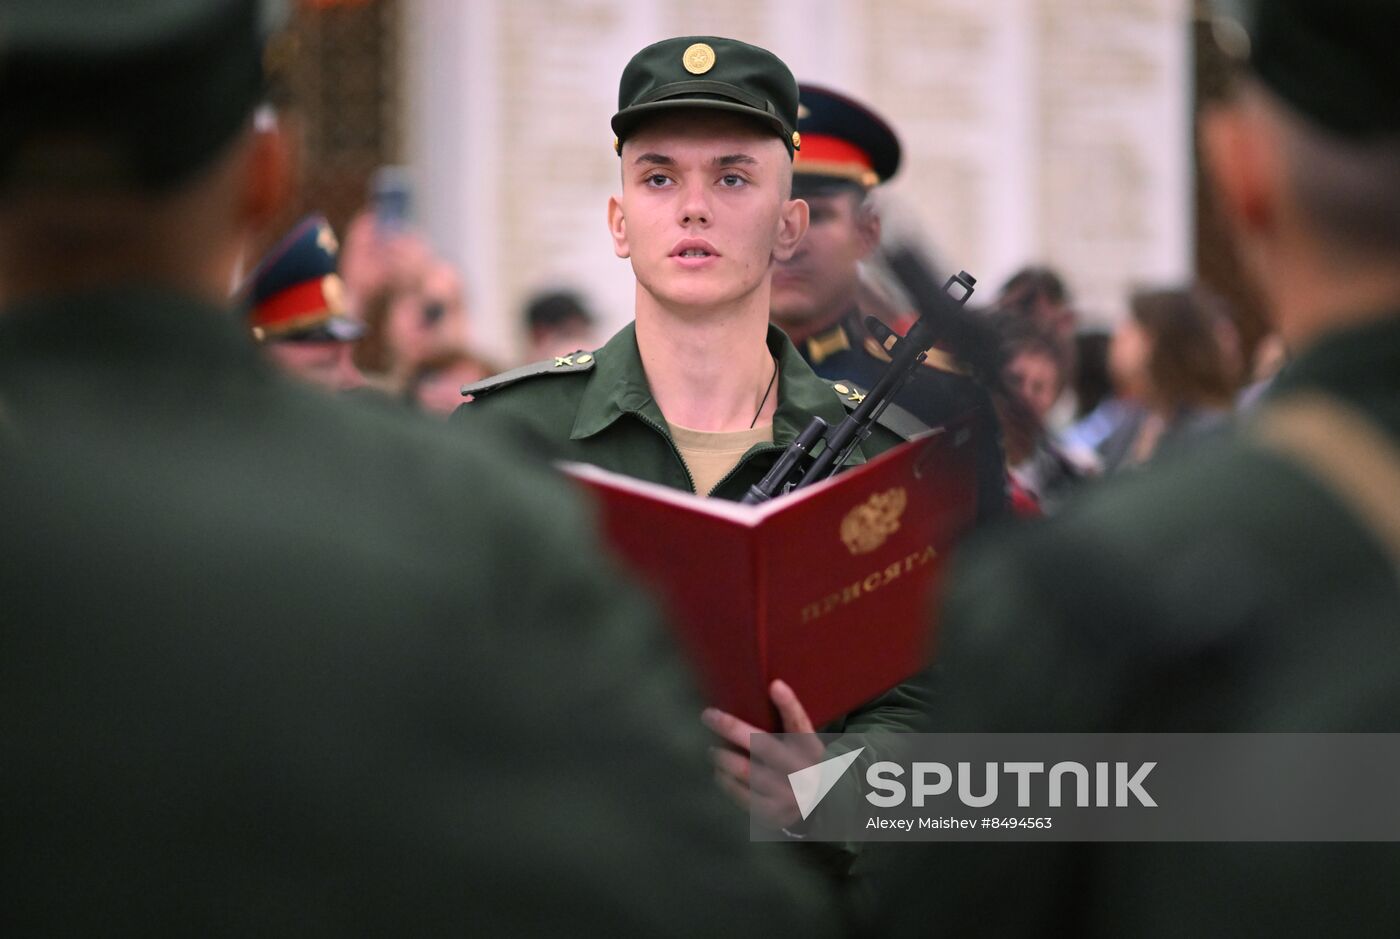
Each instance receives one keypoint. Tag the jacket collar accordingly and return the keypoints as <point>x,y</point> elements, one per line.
<point>1346,360</point>
<point>618,385</point>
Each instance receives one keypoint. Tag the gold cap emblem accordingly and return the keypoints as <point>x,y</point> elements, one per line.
<point>698,59</point>
<point>333,293</point>
<point>867,525</point>
<point>325,239</point>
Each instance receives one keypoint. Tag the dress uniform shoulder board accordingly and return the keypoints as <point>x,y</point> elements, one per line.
<point>559,365</point>
<point>936,359</point>
<point>893,418</point>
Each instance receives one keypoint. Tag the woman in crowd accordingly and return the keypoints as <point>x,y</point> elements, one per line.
<point>1168,362</point>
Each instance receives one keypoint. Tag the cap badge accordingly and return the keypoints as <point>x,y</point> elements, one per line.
<point>698,59</point>
<point>333,293</point>
<point>325,238</point>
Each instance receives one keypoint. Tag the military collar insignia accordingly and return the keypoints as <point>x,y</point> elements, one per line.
<point>936,358</point>
<point>851,393</point>
<point>823,346</point>
<point>893,418</point>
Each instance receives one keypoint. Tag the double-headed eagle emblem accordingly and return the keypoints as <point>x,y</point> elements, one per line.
<point>867,525</point>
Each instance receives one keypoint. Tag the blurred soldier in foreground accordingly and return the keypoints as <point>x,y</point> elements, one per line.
<point>296,309</point>
<point>847,151</point>
<point>1251,586</point>
<point>273,665</point>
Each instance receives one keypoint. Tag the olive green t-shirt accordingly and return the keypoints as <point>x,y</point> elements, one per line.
<point>710,455</point>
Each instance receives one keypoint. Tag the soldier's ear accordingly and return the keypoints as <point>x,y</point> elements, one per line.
<point>1244,166</point>
<point>617,227</point>
<point>792,225</point>
<point>867,226</point>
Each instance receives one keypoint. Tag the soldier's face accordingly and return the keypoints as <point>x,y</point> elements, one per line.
<point>431,313</point>
<point>1036,378</point>
<point>818,282</point>
<point>328,364</point>
<point>704,210</point>
<point>1129,357</point>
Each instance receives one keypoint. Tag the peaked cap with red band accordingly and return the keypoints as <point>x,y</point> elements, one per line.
<point>295,293</point>
<point>843,140</point>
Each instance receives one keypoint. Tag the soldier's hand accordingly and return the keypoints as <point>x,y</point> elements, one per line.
<point>761,784</point>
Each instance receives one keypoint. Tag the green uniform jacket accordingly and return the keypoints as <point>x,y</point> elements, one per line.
<point>1227,590</point>
<point>276,664</point>
<point>597,408</point>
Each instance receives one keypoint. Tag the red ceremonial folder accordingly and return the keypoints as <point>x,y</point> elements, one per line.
<point>826,588</point>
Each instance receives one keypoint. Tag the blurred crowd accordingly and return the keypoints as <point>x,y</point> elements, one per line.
<point>401,323</point>
<point>1073,403</point>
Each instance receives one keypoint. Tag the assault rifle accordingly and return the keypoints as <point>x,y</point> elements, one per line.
<point>939,316</point>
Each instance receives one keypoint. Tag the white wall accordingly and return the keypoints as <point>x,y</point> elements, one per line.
<point>1034,130</point>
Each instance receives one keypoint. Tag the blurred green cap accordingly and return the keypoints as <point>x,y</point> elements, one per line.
<point>131,93</point>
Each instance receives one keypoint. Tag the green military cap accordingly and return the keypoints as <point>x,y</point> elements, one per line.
<point>709,73</point>
<point>128,93</point>
<point>1334,62</point>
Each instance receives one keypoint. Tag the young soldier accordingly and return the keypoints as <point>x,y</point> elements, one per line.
<point>700,393</point>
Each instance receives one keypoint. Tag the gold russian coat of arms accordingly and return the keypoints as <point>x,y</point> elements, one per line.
<point>867,525</point>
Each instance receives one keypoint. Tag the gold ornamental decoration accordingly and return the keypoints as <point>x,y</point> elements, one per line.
<point>333,291</point>
<point>698,58</point>
<point>325,239</point>
<point>867,525</point>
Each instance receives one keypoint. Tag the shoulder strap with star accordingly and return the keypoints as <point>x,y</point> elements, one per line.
<point>559,365</point>
<point>893,418</point>
<point>935,358</point>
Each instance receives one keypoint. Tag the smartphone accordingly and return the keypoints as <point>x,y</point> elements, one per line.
<point>391,195</point>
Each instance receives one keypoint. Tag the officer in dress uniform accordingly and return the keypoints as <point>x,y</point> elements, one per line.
<point>1252,585</point>
<point>847,152</point>
<point>274,664</point>
<point>295,304</point>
